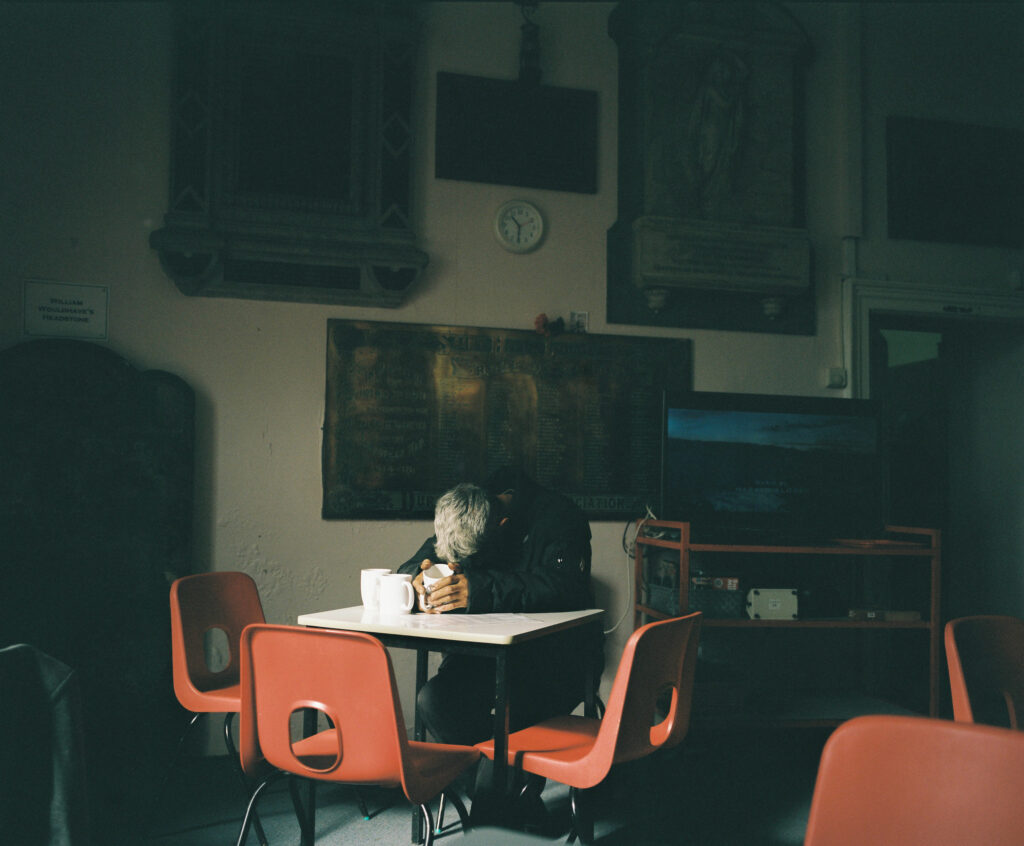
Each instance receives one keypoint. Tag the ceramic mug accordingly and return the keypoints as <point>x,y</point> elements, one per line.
<point>397,595</point>
<point>430,576</point>
<point>369,587</point>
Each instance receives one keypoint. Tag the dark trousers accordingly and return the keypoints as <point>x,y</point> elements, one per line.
<point>457,704</point>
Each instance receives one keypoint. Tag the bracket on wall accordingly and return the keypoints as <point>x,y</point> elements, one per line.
<point>291,154</point>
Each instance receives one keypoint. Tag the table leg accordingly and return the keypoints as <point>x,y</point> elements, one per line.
<point>500,722</point>
<point>590,683</point>
<point>419,732</point>
<point>491,805</point>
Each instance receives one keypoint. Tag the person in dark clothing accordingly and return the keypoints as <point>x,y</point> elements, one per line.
<point>515,546</point>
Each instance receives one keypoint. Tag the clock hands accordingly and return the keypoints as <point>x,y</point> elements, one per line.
<point>519,226</point>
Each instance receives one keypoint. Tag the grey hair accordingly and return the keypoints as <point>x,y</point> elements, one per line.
<point>460,521</point>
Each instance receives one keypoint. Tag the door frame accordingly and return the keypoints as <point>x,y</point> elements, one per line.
<point>861,297</point>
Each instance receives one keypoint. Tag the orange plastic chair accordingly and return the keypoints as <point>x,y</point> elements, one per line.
<point>659,658</point>
<point>201,604</point>
<point>918,781</point>
<point>985,655</point>
<point>348,677</point>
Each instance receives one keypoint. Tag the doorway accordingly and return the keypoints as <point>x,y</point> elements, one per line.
<point>953,408</point>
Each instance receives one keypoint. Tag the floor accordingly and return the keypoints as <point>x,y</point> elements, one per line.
<point>716,789</point>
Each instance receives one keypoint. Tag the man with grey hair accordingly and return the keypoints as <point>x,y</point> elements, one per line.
<point>461,519</point>
<point>514,546</point>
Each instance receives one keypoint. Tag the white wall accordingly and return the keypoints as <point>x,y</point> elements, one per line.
<point>83,181</point>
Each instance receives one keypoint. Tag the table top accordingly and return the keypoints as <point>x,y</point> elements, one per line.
<point>473,628</point>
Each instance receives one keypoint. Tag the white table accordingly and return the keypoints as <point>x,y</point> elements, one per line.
<point>493,635</point>
<point>499,629</point>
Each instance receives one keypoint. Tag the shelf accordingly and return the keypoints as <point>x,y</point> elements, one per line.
<point>816,624</point>
<point>898,572</point>
<point>821,549</point>
<point>825,623</point>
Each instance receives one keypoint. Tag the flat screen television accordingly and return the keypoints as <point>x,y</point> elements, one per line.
<point>753,466</point>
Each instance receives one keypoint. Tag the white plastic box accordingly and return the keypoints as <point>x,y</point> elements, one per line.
<point>772,604</point>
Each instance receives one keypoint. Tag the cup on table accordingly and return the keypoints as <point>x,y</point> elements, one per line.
<point>369,587</point>
<point>397,595</point>
<point>430,576</point>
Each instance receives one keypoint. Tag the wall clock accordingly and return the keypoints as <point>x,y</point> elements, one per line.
<point>519,226</point>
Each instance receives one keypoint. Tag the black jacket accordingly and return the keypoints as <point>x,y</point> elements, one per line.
<point>538,561</point>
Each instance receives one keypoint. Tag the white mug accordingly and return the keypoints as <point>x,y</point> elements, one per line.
<point>430,576</point>
<point>369,587</point>
<point>397,595</point>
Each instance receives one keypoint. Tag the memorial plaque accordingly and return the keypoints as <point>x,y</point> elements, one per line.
<point>412,410</point>
<point>675,253</point>
<point>711,229</point>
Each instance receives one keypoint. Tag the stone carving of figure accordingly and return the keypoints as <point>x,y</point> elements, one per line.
<point>716,127</point>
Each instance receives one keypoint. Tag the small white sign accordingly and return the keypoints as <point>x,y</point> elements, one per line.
<point>76,311</point>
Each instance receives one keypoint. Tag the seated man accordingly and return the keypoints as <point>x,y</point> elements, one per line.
<point>515,546</point>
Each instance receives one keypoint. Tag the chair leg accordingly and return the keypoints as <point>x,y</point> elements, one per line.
<point>582,820</point>
<point>428,825</point>
<point>184,736</point>
<point>236,761</point>
<point>176,757</point>
<point>250,809</point>
<point>533,814</point>
<point>440,814</point>
<point>362,804</point>
<point>308,836</point>
<point>460,809</point>
<point>172,766</point>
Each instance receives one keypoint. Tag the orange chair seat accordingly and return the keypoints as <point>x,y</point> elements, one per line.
<point>220,700</point>
<point>553,749</point>
<point>435,765</point>
<point>430,764</point>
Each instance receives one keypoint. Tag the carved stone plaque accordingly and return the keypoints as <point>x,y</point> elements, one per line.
<point>711,212</point>
<point>413,410</point>
<point>670,252</point>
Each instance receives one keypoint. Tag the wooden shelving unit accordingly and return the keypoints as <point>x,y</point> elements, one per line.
<point>898,575</point>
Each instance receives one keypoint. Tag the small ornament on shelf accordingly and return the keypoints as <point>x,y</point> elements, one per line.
<point>548,328</point>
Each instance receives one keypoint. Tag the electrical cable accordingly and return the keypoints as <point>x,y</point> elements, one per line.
<point>629,549</point>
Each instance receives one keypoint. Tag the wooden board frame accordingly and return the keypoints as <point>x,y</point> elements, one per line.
<point>411,410</point>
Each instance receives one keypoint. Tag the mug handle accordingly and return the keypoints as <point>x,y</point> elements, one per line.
<point>410,595</point>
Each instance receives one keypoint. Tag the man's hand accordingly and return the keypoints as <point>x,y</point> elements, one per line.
<point>417,582</point>
<point>449,594</point>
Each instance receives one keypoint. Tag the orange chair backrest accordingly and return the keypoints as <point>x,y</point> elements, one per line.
<point>657,663</point>
<point>985,655</point>
<point>918,781</point>
<point>200,604</point>
<point>345,675</point>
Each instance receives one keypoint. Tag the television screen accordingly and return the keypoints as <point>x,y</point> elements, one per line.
<point>738,465</point>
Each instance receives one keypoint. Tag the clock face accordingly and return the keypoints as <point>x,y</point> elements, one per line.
<point>518,226</point>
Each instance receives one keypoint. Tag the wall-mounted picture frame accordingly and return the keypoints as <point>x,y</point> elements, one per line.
<point>955,183</point>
